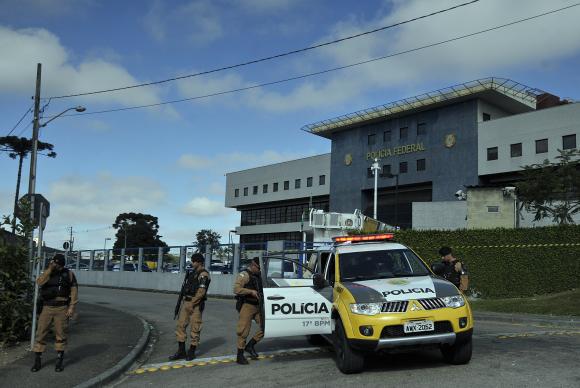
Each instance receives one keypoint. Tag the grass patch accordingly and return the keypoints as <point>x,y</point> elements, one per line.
<point>563,303</point>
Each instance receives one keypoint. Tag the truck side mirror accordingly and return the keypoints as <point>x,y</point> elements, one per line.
<point>318,281</point>
<point>438,268</point>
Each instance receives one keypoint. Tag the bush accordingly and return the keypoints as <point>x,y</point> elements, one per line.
<point>508,262</point>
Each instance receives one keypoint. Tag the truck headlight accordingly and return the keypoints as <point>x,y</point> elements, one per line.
<point>366,308</point>
<point>454,301</point>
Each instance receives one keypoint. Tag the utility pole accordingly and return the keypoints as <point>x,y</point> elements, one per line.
<point>32,175</point>
<point>375,168</point>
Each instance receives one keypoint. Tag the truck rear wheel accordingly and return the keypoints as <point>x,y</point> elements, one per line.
<point>459,353</point>
<point>348,360</point>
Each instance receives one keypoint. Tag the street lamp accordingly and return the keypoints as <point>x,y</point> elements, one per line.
<point>375,169</point>
<point>36,125</point>
<point>389,175</point>
<point>105,246</point>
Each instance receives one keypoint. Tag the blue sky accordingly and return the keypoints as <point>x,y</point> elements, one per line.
<point>170,161</point>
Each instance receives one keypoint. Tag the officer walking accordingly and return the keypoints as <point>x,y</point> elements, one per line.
<point>454,270</point>
<point>247,289</point>
<point>59,293</point>
<point>194,293</point>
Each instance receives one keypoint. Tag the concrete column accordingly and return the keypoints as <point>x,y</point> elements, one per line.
<point>182,259</point>
<point>122,263</point>
<point>160,260</point>
<point>207,257</point>
<point>106,260</point>
<point>78,263</point>
<point>236,259</point>
<point>140,261</point>
<point>91,260</point>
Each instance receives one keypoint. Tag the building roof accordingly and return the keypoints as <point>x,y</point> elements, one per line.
<point>508,94</point>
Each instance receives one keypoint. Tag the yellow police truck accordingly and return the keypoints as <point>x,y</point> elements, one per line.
<point>365,294</point>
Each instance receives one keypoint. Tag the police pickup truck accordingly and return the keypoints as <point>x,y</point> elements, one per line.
<point>366,294</point>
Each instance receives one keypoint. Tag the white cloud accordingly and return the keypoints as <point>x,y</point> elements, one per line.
<point>26,47</point>
<point>268,5</point>
<point>206,207</point>
<point>517,48</point>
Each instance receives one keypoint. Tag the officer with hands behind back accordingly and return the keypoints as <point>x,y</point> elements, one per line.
<point>247,289</point>
<point>194,295</point>
<point>59,294</point>
<point>454,270</point>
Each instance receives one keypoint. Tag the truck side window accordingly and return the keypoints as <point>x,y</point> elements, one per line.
<point>330,272</point>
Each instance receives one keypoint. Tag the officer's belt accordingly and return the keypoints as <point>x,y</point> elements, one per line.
<point>55,303</point>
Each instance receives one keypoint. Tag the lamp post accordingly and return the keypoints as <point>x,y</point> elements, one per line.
<point>375,169</point>
<point>105,246</point>
<point>36,125</point>
<point>396,176</point>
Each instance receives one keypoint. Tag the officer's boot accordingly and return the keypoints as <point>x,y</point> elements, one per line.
<point>37,362</point>
<point>180,352</point>
<point>58,367</point>
<point>241,359</point>
<point>250,349</point>
<point>190,353</point>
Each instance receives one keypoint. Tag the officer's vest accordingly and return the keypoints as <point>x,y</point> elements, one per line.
<point>193,283</point>
<point>451,274</point>
<point>57,286</point>
<point>255,284</point>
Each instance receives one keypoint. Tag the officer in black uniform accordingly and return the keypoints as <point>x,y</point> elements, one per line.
<point>194,293</point>
<point>454,270</point>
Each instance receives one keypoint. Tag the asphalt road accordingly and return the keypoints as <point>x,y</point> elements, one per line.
<point>505,354</point>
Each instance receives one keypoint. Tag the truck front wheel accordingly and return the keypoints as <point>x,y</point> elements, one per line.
<point>348,360</point>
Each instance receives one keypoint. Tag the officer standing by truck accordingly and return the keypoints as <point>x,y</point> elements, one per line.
<point>454,270</point>
<point>248,289</point>
<point>59,295</point>
<point>194,294</point>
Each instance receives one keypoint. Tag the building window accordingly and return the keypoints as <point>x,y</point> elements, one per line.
<point>516,150</point>
<point>275,186</point>
<point>403,168</point>
<point>372,139</point>
<point>255,190</point>
<point>541,146</point>
<point>297,183</point>
<point>264,189</point>
<point>387,136</point>
<point>492,153</point>
<point>421,165</point>
<point>245,191</point>
<point>286,185</point>
<point>493,209</point>
<point>309,181</point>
<point>322,180</point>
<point>386,170</point>
<point>403,133</point>
<point>370,173</point>
<point>486,117</point>
<point>421,129</point>
<point>236,193</point>
<point>568,142</point>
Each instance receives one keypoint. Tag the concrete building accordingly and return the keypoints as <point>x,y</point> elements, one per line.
<point>476,134</point>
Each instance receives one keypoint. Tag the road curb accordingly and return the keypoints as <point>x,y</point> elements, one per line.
<point>525,318</point>
<point>123,365</point>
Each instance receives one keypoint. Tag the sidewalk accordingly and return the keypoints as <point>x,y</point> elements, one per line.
<point>98,340</point>
<point>551,320</point>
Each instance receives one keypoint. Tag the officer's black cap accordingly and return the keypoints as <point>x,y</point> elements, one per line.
<point>197,257</point>
<point>444,251</point>
<point>59,259</point>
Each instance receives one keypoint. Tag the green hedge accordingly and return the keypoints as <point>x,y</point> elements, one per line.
<point>497,268</point>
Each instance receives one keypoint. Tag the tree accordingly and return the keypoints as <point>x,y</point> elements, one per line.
<point>137,230</point>
<point>207,237</point>
<point>552,189</point>
<point>20,147</point>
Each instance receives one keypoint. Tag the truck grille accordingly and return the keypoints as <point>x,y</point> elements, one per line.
<point>432,304</point>
<point>395,331</point>
<point>395,307</point>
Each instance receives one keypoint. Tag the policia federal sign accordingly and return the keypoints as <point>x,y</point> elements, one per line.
<point>394,151</point>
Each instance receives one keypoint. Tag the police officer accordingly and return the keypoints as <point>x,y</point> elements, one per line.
<point>59,293</point>
<point>454,270</point>
<point>247,289</point>
<point>194,292</point>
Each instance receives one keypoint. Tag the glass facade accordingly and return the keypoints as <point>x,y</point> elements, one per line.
<point>280,214</point>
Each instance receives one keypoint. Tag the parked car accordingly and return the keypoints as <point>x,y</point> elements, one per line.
<point>130,267</point>
<point>82,266</point>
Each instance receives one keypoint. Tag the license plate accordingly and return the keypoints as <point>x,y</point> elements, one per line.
<point>418,326</point>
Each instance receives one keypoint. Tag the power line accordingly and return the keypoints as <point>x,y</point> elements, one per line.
<point>284,54</point>
<point>331,69</point>
<point>22,118</point>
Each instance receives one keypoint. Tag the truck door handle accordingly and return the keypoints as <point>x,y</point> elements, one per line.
<point>276,297</point>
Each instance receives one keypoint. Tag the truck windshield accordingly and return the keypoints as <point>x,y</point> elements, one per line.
<point>367,265</point>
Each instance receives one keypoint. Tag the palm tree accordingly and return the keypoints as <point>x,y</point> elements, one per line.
<point>20,147</point>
